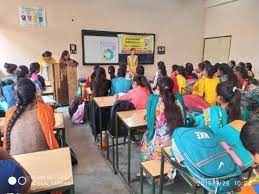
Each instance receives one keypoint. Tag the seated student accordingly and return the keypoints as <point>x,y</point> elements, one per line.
<point>90,79</point>
<point>229,108</point>
<point>140,70</point>
<point>10,168</point>
<point>182,83</point>
<point>249,69</point>
<point>28,126</point>
<point>101,86</point>
<point>164,114</point>
<point>111,71</point>
<point>159,74</point>
<point>34,71</point>
<point>174,78</point>
<point>210,85</point>
<point>189,72</point>
<point>232,64</point>
<point>226,73</point>
<point>198,87</point>
<point>140,92</point>
<point>65,58</point>
<point>10,70</point>
<point>249,136</point>
<point>45,61</point>
<point>242,76</point>
<point>120,84</point>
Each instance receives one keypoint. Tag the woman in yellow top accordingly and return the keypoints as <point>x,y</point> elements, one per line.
<point>45,61</point>
<point>210,85</point>
<point>132,61</point>
<point>182,83</point>
<point>198,87</point>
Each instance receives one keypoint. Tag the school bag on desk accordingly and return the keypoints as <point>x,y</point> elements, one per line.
<point>200,151</point>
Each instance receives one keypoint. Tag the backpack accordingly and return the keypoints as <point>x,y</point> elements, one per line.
<point>78,116</point>
<point>74,105</point>
<point>207,161</point>
<point>231,135</point>
<point>8,92</point>
<point>120,105</point>
<point>195,103</point>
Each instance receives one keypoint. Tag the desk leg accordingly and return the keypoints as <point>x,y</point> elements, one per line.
<point>93,120</point>
<point>63,134</point>
<point>162,172</point>
<point>141,179</point>
<point>100,126</point>
<point>72,190</point>
<point>129,159</point>
<point>117,148</point>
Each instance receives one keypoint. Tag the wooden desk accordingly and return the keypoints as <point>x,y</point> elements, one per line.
<point>134,118</point>
<point>48,91</point>
<point>131,120</point>
<point>50,170</point>
<point>101,103</point>
<point>106,101</point>
<point>48,83</point>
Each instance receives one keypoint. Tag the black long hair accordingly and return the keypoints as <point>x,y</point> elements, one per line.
<point>34,67</point>
<point>142,81</point>
<point>228,71</point>
<point>173,112</point>
<point>162,68</point>
<point>100,78</point>
<point>230,94</point>
<point>22,72</point>
<point>189,68</point>
<point>210,69</point>
<point>25,91</point>
<point>140,70</point>
<point>181,71</point>
<point>241,69</point>
<point>111,71</point>
<point>249,136</point>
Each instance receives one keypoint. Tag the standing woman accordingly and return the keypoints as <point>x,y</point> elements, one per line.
<point>132,61</point>
<point>164,114</point>
<point>65,58</point>
<point>45,62</point>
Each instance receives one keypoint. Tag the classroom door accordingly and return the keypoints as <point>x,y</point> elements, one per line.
<point>217,49</point>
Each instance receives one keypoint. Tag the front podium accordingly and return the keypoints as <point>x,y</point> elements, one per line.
<point>64,81</point>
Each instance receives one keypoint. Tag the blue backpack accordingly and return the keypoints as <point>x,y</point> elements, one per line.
<point>207,161</point>
<point>8,94</point>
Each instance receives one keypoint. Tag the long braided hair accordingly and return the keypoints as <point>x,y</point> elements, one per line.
<point>25,91</point>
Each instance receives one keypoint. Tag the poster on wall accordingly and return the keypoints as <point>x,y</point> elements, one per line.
<point>144,44</point>
<point>32,16</point>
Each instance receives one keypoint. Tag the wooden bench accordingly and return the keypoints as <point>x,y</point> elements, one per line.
<point>152,168</point>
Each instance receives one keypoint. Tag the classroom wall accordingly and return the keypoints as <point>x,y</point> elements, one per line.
<point>178,25</point>
<point>241,20</point>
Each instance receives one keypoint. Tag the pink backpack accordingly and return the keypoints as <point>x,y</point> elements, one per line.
<point>78,116</point>
<point>195,103</point>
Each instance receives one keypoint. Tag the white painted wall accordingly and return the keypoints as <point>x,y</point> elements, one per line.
<point>241,20</point>
<point>178,24</point>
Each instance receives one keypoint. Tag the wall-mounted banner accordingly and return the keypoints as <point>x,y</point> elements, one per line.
<point>32,16</point>
<point>144,44</point>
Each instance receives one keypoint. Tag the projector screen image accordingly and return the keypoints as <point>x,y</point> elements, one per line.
<point>101,49</point>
